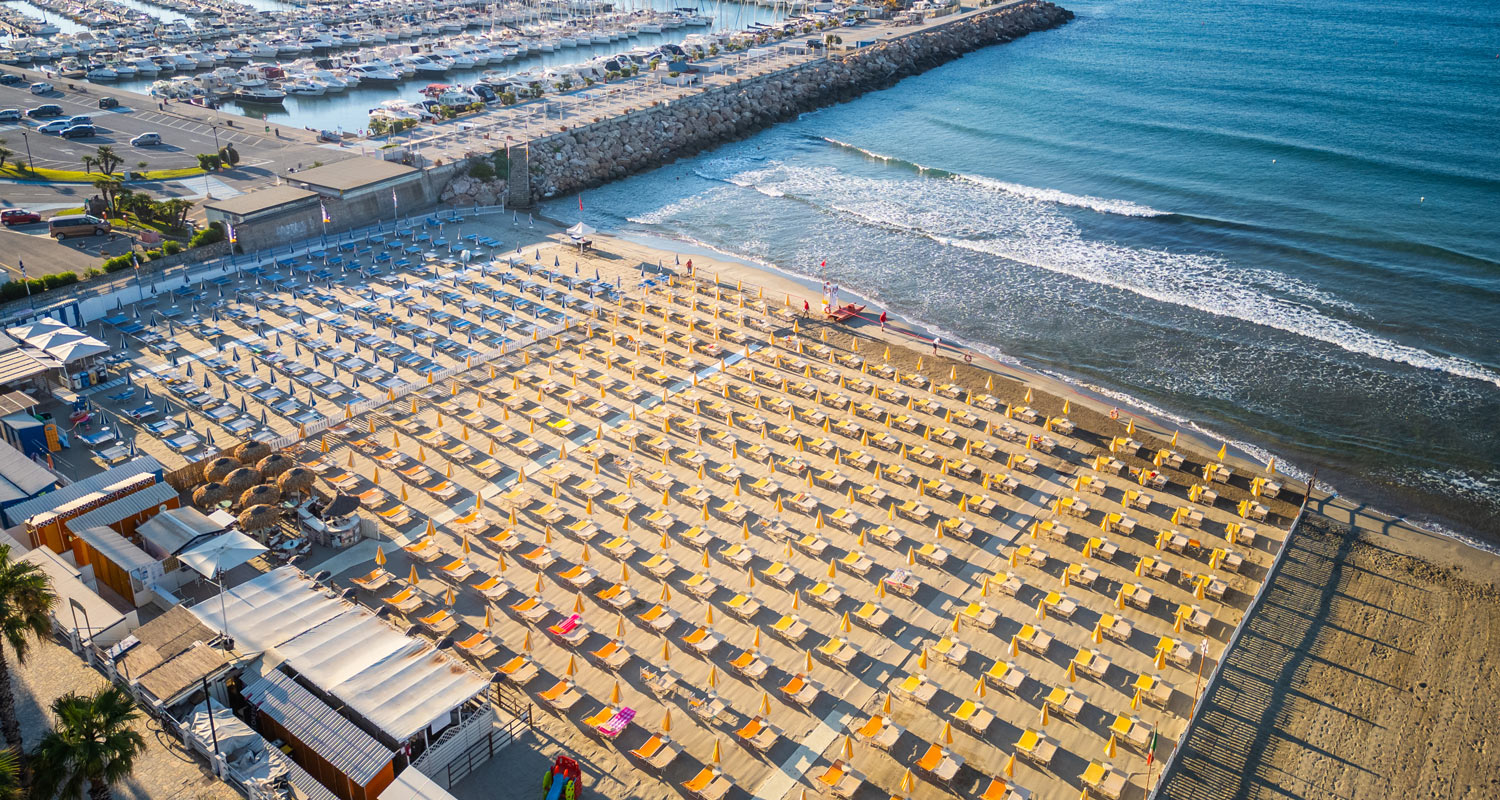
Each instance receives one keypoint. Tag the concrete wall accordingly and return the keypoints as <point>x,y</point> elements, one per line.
<point>593,154</point>
<point>345,213</point>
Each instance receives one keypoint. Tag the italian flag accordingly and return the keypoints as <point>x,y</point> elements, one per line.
<point>1151,749</point>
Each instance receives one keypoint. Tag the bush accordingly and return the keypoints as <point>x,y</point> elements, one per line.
<point>481,170</point>
<point>118,263</point>
<point>501,162</point>
<point>229,155</point>
<point>171,248</point>
<point>209,162</point>
<point>213,234</point>
<point>13,290</point>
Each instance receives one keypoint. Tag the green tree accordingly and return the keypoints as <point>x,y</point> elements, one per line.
<point>25,600</point>
<point>91,746</point>
<point>108,187</point>
<point>107,159</point>
<point>174,211</point>
<point>89,162</point>
<point>5,153</point>
<point>10,775</point>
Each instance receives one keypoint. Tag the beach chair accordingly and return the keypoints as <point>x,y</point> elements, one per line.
<point>405,601</point>
<point>758,734</point>
<point>879,732</point>
<point>703,641</point>
<point>613,655</point>
<point>1005,675</point>
<point>660,566</point>
<point>619,548</point>
<point>840,780</point>
<point>871,616</point>
<point>373,581</point>
<point>440,622</point>
<point>423,550</point>
<point>1104,779</point>
<point>973,716</point>
<point>939,764</point>
<point>658,618</point>
<point>617,596</point>
<point>561,696</point>
<point>479,646</point>
<point>579,576</point>
<point>801,691</point>
<point>857,563</point>
<point>790,629</point>
<point>657,752</point>
<point>540,557</point>
<point>779,574</point>
<point>492,588</point>
<point>749,665</point>
<point>825,594</point>
<point>519,670</point>
<point>457,570</point>
<point>917,688</point>
<point>398,515</point>
<point>532,610</point>
<point>838,652</point>
<point>951,650</point>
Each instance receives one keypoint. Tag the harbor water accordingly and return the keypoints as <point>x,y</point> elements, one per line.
<point>1274,223</point>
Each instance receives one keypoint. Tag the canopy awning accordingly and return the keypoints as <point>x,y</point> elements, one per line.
<point>221,553</point>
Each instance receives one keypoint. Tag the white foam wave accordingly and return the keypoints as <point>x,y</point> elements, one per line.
<point>1103,205</point>
<point>1027,232</point>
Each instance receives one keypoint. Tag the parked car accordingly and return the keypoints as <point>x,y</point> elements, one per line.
<point>10,79</point>
<point>55,126</point>
<point>146,140</point>
<point>77,225</point>
<point>18,216</point>
<point>78,132</point>
<point>44,111</point>
<point>81,119</point>
<point>108,102</point>
<point>10,114</point>
<point>41,87</point>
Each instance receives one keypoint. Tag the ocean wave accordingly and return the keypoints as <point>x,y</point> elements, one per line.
<point>1028,233</point>
<point>1103,205</point>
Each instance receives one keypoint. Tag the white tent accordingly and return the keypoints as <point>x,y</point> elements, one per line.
<point>398,683</point>
<point>580,230</point>
<point>221,553</point>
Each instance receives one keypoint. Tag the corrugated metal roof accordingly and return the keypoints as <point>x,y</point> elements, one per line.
<point>137,466</point>
<point>22,363</point>
<point>114,547</point>
<point>173,530</point>
<point>339,741</point>
<point>20,477</point>
<point>131,504</point>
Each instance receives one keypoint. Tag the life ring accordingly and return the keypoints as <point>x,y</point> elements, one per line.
<point>968,358</point>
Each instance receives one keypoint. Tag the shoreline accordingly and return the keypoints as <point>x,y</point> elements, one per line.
<point>1422,538</point>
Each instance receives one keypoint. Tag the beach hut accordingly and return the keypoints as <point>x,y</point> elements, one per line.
<point>219,468</point>
<point>252,452</point>
<point>273,465</point>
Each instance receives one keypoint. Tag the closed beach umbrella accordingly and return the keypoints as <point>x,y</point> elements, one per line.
<point>219,468</point>
<point>262,494</point>
<point>241,479</point>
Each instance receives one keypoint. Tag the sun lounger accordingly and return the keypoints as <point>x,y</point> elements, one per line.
<point>749,665</point>
<point>790,628</point>
<point>703,641</point>
<point>871,616</point>
<point>540,558</point>
<point>440,622</point>
<point>825,594</point>
<point>658,618</point>
<point>1104,779</point>
<point>743,606</point>
<point>800,691</point>
<point>492,588</point>
<point>838,652</point>
<point>406,601</point>
<point>519,670</point>
<point>612,655</point>
<point>457,570</point>
<point>617,596</point>
<point>973,716</point>
<point>1005,675</point>
<point>617,722</point>
<point>532,610</point>
<point>939,763</point>
<point>373,581</point>
<point>758,733</point>
<point>840,779</point>
<point>561,696</point>
<point>879,731</point>
<point>657,752</point>
<point>917,688</point>
<point>579,576</point>
<point>660,566</point>
<point>478,646</point>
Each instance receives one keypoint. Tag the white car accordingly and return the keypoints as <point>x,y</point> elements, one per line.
<point>146,140</point>
<point>41,88</point>
<point>55,126</point>
<point>10,115</point>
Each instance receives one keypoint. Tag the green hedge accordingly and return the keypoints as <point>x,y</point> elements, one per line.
<point>14,290</point>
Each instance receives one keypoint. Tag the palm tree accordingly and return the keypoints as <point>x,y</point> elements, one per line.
<point>10,775</point>
<point>92,745</point>
<point>25,602</point>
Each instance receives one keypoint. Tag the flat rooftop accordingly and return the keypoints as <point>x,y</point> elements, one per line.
<point>260,200</point>
<point>351,174</point>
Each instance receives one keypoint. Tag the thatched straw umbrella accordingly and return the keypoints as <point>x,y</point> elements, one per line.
<point>251,452</point>
<point>264,494</point>
<point>210,494</point>
<point>241,479</point>
<point>274,464</point>
<point>219,468</point>
<point>295,481</point>
<point>257,519</point>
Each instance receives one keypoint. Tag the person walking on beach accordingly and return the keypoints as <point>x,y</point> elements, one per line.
<point>882,320</point>
<point>935,341</point>
<point>806,309</point>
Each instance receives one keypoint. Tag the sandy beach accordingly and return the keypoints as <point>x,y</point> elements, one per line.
<point>803,555</point>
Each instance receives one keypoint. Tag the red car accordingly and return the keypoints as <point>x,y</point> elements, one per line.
<point>18,216</point>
